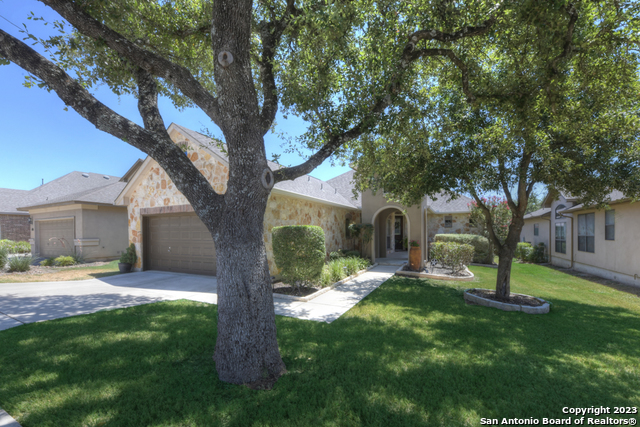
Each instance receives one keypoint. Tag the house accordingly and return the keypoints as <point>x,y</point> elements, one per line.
<point>75,214</point>
<point>14,225</point>
<point>169,236</point>
<point>595,241</point>
<point>537,227</point>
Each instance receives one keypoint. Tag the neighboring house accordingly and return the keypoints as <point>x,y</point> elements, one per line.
<point>596,241</point>
<point>76,214</point>
<point>169,236</point>
<point>537,227</point>
<point>14,225</point>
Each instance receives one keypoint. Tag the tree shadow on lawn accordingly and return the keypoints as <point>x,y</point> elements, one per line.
<point>409,354</point>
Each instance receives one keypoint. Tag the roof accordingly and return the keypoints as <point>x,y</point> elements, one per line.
<point>104,195</point>
<point>539,213</point>
<point>441,203</point>
<point>78,184</point>
<point>344,184</point>
<point>614,197</point>
<point>10,200</point>
<point>305,186</point>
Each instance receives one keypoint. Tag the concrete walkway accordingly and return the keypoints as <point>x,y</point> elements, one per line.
<point>7,420</point>
<point>22,303</point>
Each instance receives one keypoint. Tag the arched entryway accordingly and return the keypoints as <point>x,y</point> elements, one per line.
<point>391,231</point>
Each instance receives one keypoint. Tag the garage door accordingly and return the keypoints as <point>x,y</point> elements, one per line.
<point>56,238</point>
<point>179,243</point>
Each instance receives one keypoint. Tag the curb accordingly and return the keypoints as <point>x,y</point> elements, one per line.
<point>323,290</point>
<point>401,272</point>
<point>543,309</point>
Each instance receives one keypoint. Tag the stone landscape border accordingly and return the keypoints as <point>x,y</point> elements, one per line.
<point>543,309</point>
<point>401,272</point>
<point>323,290</point>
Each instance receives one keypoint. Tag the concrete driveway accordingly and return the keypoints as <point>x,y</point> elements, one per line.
<point>22,303</point>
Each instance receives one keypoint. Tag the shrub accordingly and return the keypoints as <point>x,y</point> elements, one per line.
<point>452,255</point>
<point>129,256</point>
<point>15,247</point>
<point>352,254</point>
<point>335,255</point>
<point>19,263</point>
<point>49,262</point>
<point>64,261</point>
<point>523,251</point>
<point>299,252</point>
<point>537,254</point>
<point>4,256</point>
<point>340,268</point>
<point>482,252</point>
<point>78,258</point>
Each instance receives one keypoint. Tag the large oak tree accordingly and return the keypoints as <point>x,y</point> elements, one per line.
<point>552,100</point>
<point>340,65</point>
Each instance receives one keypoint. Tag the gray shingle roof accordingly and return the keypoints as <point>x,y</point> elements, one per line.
<point>305,185</point>
<point>538,213</point>
<point>441,203</point>
<point>74,183</point>
<point>11,200</point>
<point>102,195</point>
<point>344,184</point>
<point>613,197</point>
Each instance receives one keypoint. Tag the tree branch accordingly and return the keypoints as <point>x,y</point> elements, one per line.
<point>148,103</point>
<point>488,218</point>
<point>159,146</point>
<point>152,62</point>
<point>566,50</point>
<point>408,56</point>
<point>271,34</point>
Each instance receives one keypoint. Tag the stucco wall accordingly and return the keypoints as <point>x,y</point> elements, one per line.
<point>375,204</point>
<point>527,232</point>
<point>107,224</point>
<point>14,227</point>
<point>617,259</point>
<point>156,189</point>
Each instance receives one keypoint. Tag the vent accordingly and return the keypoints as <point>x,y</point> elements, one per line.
<point>105,177</point>
<point>86,175</point>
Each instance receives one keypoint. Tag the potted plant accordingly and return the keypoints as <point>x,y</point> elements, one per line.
<point>128,259</point>
<point>414,256</point>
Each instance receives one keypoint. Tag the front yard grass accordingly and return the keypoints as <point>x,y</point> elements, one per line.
<point>412,353</point>
<point>64,273</point>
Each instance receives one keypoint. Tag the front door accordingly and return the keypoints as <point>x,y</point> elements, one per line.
<point>399,232</point>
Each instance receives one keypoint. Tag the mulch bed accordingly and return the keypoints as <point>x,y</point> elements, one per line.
<point>303,291</point>
<point>513,299</point>
<point>39,269</point>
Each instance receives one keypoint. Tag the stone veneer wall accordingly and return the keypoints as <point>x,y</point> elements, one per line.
<point>284,210</point>
<point>435,225</point>
<point>15,227</point>
<point>156,189</point>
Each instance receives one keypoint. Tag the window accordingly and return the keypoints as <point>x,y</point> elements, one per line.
<point>448,221</point>
<point>536,230</point>
<point>586,232</point>
<point>561,238</point>
<point>558,209</point>
<point>610,225</point>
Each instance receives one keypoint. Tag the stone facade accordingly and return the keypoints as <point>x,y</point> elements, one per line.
<point>284,210</point>
<point>15,227</point>
<point>460,225</point>
<point>156,190</point>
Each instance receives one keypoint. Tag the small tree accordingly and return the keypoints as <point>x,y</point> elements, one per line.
<point>364,232</point>
<point>299,253</point>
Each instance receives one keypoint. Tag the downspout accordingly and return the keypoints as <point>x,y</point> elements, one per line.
<point>549,248</point>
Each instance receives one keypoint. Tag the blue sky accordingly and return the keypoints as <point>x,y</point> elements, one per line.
<point>39,140</point>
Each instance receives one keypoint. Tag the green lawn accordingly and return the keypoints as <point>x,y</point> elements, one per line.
<point>412,353</point>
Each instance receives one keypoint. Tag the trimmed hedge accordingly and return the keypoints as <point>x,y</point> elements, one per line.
<point>299,253</point>
<point>482,253</point>
<point>526,252</point>
<point>452,255</point>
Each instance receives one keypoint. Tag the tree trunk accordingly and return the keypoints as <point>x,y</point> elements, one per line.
<point>505,257</point>
<point>246,347</point>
